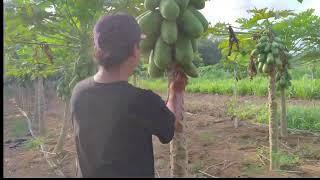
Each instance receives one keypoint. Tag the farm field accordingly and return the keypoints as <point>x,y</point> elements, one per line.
<point>242,79</point>
<point>213,143</point>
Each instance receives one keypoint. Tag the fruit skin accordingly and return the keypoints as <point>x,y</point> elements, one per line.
<point>169,31</point>
<point>147,44</point>
<point>270,59</point>
<point>184,50</point>
<point>267,48</point>
<point>141,15</point>
<point>190,69</point>
<point>194,43</point>
<point>265,68</point>
<point>254,52</point>
<point>153,70</point>
<point>169,9</point>
<point>150,23</point>
<point>162,54</point>
<point>200,17</point>
<point>264,39</point>
<point>190,24</point>
<point>260,67</point>
<point>275,51</point>
<point>183,4</point>
<point>198,4</point>
<point>151,4</point>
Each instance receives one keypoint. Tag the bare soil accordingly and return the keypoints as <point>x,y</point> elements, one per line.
<point>215,146</point>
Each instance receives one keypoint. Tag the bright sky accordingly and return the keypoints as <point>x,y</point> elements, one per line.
<point>230,10</point>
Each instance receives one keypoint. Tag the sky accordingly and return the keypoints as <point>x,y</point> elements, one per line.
<point>230,10</point>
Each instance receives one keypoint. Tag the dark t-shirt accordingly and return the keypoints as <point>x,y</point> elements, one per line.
<point>114,124</point>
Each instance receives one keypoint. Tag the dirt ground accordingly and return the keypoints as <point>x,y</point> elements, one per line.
<point>215,146</point>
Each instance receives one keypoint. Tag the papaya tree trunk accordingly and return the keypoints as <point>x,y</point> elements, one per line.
<point>59,146</point>
<point>283,122</point>
<point>40,107</point>
<point>235,90</point>
<point>178,146</point>
<point>273,123</point>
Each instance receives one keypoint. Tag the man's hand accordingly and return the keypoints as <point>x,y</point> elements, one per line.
<point>178,81</point>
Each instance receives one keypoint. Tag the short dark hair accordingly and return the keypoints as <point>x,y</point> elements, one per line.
<point>114,39</point>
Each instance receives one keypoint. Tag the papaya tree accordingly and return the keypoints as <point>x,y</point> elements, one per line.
<point>172,28</point>
<point>67,26</point>
<point>267,58</point>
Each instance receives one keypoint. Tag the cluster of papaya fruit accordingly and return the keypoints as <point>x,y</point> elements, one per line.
<point>172,28</point>
<point>271,52</point>
<point>283,80</point>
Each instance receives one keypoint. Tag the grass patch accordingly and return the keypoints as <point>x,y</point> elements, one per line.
<point>196,166</point>
<point>215,80</point>
<point>34,144</point>
<point>252,169</point>
<point>286,161</point>
<point>310,152</point>
<point>206,137</point>
<point>18,128</point>
<point>299,117</point>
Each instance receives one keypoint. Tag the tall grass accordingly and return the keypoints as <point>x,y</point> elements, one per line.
<point>299,117</point>
<point>215,80</point>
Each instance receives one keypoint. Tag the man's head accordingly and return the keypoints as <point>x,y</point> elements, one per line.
<point>116,42</point>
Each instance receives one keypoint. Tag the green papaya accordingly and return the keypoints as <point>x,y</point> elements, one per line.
<point>275,44</point>
<point>190,69</point>
<point>153,70</point>
<point>147,44</point>
<point>169,31</point>
<point>278,61</point>
<point>150,23</point>
<point>270,59</point>
<point>200,17</point>
<point>254,52</point>
<point>141,15</point>
<point>169,9</point>
<point>190,24</point>
<point>266,68</point>
<point>162,54</point>
<point>278,40</point>
<point>184,51</point>
<point>260,67</point>
<point>275,51</point>
<point>261,46</point>
<point>183,4</point>
<point>198,4</point>
<point>151,4</point>
<point>194,43</point>
<point>267,48</point>
<point>264,39</point>
<point>262,58</point>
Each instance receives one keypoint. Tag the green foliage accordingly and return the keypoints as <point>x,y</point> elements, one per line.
<point>34,144</point>
<point>68,31</point>
<point>215,80</point>
<point>19,128</point>
<point>298,117</point>
<point>209,51</point>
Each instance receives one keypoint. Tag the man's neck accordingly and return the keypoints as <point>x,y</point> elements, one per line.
<point>110,76</point>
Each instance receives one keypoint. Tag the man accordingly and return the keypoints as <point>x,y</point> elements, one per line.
<point>114,121</point>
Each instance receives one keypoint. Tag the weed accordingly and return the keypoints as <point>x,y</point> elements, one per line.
<point>34,144</point>
<point>19,128</point>
<point>206,137</point>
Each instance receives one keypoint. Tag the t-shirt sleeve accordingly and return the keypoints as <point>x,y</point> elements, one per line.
<point>156,116</point>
